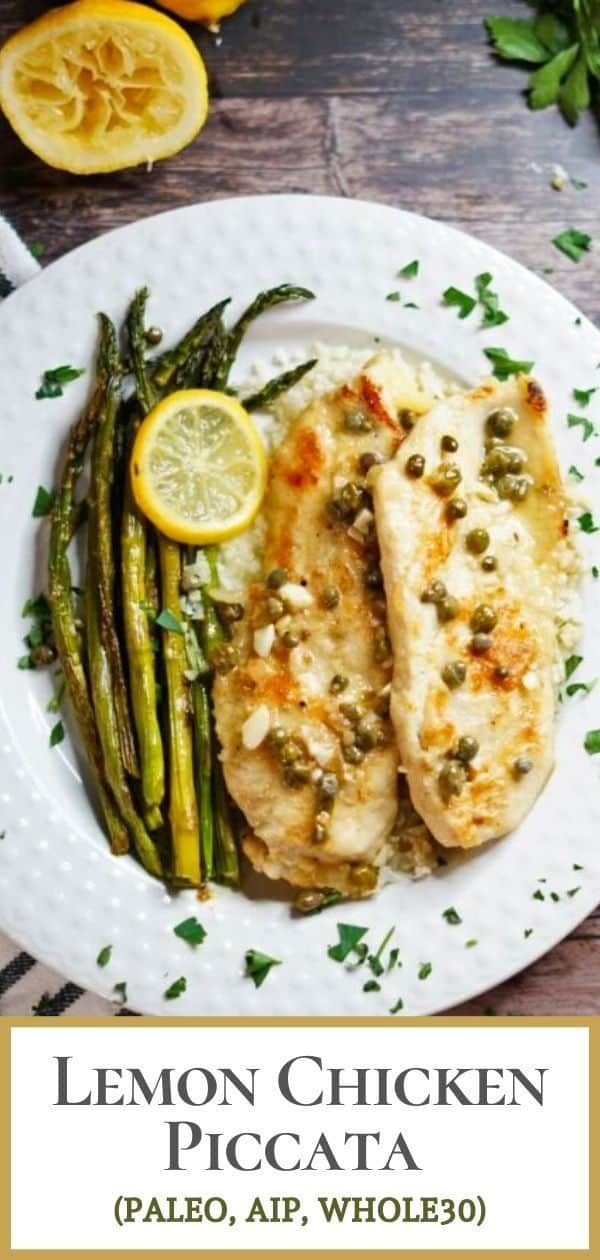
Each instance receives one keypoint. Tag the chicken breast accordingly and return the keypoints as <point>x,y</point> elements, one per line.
<point>470,552</point>
<point>307,747</point>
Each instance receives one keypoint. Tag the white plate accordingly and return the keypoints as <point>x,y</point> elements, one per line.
<point>62,895</point>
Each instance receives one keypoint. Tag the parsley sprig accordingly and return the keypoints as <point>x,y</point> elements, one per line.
<point>562,45</point>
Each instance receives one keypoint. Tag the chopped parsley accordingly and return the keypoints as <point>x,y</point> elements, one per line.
<point>571,664</point>
<point>57,734</point>
<point>573,688</point>
<point>349,937</point>
<point>528,932</point>
<point>503,365</point>
<point>374,960</point>
<point>371,986</point>
<point>425,970</point>
<point>584,396</point>
<point>55,701</point>
<point>451,916</point>
<point>398,1006</point>
<point>43,502</point>
<point>591,743</point>
<point>53,380</point>
<point>538,895</point>
<point>587,523</point>
<point>572,892</point>
<point>36,249</point>
<point>393,959</point>
<point>455,297</point>
<point>190,930</point>
<point>121,991</point>
<point>394,297</point>
<point>259,965</point>
<point>554,896</point>
<point>104,956</point>
<point>410,270</point>
<point>471,943</point>
<point>167,621</point>
<point>573,243</point>
<point>575,421</point>
<point>176,989</point>
<point>577,867</point>
<point>411,306</point>
<point>595,571</point>
<point>578,184</point>
<point>361,953</point>
<point>575,473</point>
<point>492,315</point>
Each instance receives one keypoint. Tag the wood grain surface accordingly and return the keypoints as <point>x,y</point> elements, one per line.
<point>393,101</point>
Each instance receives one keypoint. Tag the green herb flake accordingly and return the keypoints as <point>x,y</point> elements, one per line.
<point>258,965</point>
<point>425,970</point>
<point>451,916</point>
<point>104,956</point>
<point>578,184</point>
<point>587,523</point>
<point>55,701</point>
<point>25,662</point>
<point>121,991</point>
<point>43,502</point>
<point>527,933</point>
<point>176,989</point>
<point>577,867</point>
<point>595,571</point>
<point>554,896</point>
<point>575,473</point>
<point>57,734</point>
<point>394,955</point>
<point>374,960</point>
<point>398,1006</point>
<point>572,892</point>
<point>53,380</point>
<point>503,365</point>
<point>573,243</point>
<point>36,249</point>
<point>584,396</point>
<point>573,688</point>
<point>43,1006</point>
<point>571,664</point>
<point>538,895</point>
<point>471,943</point>
<point>492,315</point>
<point>394,297</point>
<point>455,297</point>
<point>591,743</point>
<point>411,306</point>
<point>190,930</point>
<point>349,937</point>
<point>410,270</point>
<point>582,422</point>
<point>371,986</point>
<point>167,621</point>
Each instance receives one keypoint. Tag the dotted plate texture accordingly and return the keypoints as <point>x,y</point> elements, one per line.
<point>62,895</point>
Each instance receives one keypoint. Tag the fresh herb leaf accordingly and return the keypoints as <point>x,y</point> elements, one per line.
<point>361,951</point>
<point>121,991</point>
<point>587,523</point>
<point>470,944</point>
<point>575,473</point>
<point>374,960</point>
<point>349,937</point>
<point>492,315</point>
<point>411,306</point>
<point>393,958</point>
<point>554,896</point>
<point>455,297</point>
<point>587,425</point>
<point>578,184</point>
<point>104,956</point>
<point>53,380</point>
<point>514,39</point>
<point>584,396</point>
<point>190,930</point>
<point>545,84</point>
<point>259,965</point>
<point>577,866</point>
<point>167,621</point>
<point>571,664</point>
<point>591,743</point>
<point>573,688</point>
<point>573,243</point>
<point>57,734</point>
<point>410,270</point>
<point>43,502</point>
<point>528,932</point>
<point>425,970</point>
<point>451,916</point>
<point>575,96</point>
<point>572,892</point>
<point>538,895</point>
<point>371,986</point>
<point>398,1006</point>
<point>503,365</point>
<point>553,33</point>
<point>176,989</point>
<point>394,297</point>
<point>36,249</point>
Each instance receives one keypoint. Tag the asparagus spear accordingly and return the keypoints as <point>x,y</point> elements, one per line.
<point>204,771</point>
<point>198,337</point>
<point>66,634</point>
<point>226,862</point>
<point>273,389</point>
<point>262,302</point>
<point>100,522</point>
<point>183,810</point>
<point>137,598</point>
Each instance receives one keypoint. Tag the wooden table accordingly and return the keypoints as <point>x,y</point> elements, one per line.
<point>387,100</point>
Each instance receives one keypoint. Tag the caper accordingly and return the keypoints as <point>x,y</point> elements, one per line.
<point>368,460</point>
<point>275,607</point>
<point>382,706</point>
<point>501,673</point>
<point>357,421</point>
<point>353,712</point>
<point>456,510</point>
<point>480,644</point>
<point>153,335</point>
<point>290,752</point>
<point>466,748</point>
<point>522,766</point>
<point>477,541</point>
<point>489,564</point>
<point>382,646</point>
<point>445,479</point>
<point>352,754</point>
<point>277,578</point>
<point>330,597</point>
<point>338,683</point>
<point>365,736</point>
<point>297,774</point>
<point>451,779</point>
<point>407,419</point>
<point>501,421</point>
<point>448,443</point>
<point>514,488</point>
<point>277,736</point>
<point>231,612</point>
<point>44,654</point>
<point>448,608</point>
<point>346,501</point>
<point>364,878</point>
<point>498,461</point>
<point>224,658</point>
<point>290,640</point>
<point>415,466</point>
<point>434,594</point>
<point>483,618</point>
<point>329,786</point>
<point>454,674</point>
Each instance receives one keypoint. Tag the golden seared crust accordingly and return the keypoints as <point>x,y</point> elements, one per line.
<point>506,702</point>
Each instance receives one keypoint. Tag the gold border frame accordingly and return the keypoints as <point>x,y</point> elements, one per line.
<point>7,1023</point>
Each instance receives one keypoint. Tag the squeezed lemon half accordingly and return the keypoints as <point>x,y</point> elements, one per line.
<point>208,11</point>
<point>198,467</point>
<point>99,85</point>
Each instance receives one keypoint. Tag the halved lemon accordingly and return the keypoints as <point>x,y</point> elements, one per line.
<point>99,85</point>
<point>208,11</point>
<point>198,467</point>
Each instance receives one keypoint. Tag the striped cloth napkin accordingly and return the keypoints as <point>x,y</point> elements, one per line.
<point>26,986</point>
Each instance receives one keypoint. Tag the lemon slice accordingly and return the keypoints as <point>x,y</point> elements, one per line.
<point>198,467</point>
<point>103,84</point>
